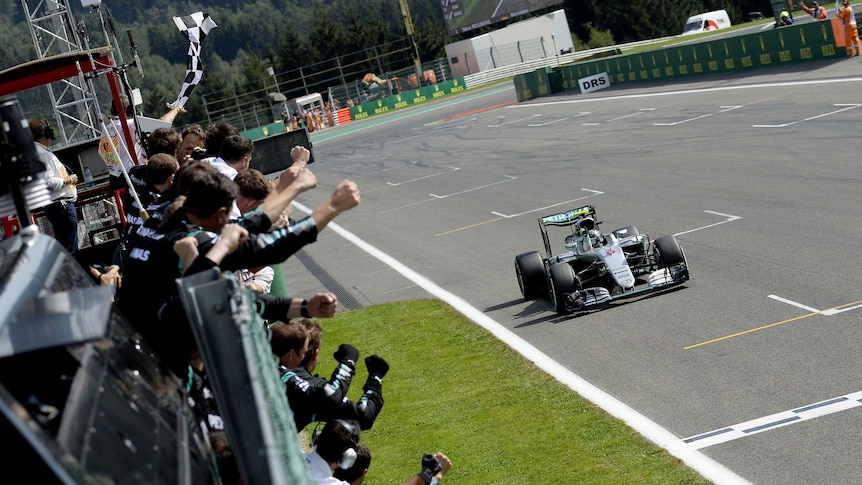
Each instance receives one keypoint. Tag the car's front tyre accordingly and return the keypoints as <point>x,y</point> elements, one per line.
<point>668,252</point>
<point>563,281</point>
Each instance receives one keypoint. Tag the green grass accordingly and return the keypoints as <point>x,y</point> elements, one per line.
<point>454,388</point>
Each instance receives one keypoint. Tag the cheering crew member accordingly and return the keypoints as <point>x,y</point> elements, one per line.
<point>313,398</point>
<point>148,297</point>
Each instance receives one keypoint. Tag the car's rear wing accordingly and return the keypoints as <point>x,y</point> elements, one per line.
<point>567,218</point>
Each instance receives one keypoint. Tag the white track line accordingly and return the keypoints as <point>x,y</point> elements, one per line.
<point>777,420</point>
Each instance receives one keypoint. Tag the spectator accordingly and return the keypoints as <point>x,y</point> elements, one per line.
<point>313,398</point>
<point>234,155</point>
<point>61,212</point>
<point>215,136</point>
<point>321,305</point>
<point>253,187</point>
<point>163,140</point>
<point>191,138</point>
<point>160,172</point>
<point>816,11</point>
<point>851,33</point>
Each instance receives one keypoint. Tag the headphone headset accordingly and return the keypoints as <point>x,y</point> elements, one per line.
<point>48,131</point>
<point>348,456</point>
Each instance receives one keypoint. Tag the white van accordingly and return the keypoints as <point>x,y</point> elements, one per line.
<point>717,19</point>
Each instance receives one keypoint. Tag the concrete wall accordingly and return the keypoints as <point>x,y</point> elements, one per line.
<point>531,39</point>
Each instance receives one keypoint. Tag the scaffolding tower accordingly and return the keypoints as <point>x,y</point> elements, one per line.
<point>54,32</point>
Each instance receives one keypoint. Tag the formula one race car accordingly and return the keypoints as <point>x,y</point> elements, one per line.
<point>598,268</point>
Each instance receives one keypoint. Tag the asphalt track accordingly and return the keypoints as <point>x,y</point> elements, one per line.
<point>755,363</point>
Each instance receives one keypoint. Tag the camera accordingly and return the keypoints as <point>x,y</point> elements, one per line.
<point>430,467</point>
<point>198,153</point>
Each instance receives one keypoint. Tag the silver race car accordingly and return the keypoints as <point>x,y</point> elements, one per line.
<point>598,268</point>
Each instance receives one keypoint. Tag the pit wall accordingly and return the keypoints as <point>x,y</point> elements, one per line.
<point>769,48</point>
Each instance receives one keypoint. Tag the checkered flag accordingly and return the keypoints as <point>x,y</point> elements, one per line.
<point>195,27</point>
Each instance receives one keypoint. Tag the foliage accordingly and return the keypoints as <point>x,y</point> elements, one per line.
<point>454,388</point>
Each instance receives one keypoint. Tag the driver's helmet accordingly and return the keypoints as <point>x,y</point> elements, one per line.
<point>586,225</point>
<point>595,237</point>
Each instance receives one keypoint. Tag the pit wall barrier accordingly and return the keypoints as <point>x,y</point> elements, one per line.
<point>814,41</point>
<point>407,99</point>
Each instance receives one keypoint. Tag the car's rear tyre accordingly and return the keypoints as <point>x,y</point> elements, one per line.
<point>626,232</point>
<point>530,269</point>
<point>563,280</point>
<point>668,252</point>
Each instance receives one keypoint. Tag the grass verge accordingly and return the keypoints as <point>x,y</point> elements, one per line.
<point>454,388</point>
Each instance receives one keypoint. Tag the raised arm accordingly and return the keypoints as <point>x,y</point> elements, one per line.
<point>345,197</point>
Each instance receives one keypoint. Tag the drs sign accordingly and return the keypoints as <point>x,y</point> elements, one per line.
<point>594,82</point>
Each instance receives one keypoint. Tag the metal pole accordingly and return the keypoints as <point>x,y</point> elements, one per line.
<point>556,52</point>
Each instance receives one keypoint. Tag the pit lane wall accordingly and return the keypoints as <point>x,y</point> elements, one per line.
<point>774,47</point>
<point>407,99</point>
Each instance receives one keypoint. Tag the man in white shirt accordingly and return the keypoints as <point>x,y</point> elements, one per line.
<point>61,213</point>
<point>334,447</point>
<point>234,155</point>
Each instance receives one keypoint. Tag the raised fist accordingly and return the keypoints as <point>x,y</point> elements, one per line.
<point>376,366</point>
<point>346,354</point>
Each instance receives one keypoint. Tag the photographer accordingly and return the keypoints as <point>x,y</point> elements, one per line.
<point>336,447</point>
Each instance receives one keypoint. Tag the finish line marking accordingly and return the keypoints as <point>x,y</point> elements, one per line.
<point>777,420</point>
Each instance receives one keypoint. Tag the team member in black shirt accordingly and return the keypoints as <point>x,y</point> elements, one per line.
<point>148,297</point>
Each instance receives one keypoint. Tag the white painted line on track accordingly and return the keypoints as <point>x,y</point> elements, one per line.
<point>547,123</point>
<point>640,111</point>
<point>777,420</point>
<point>723,109</point>
<point>706,466</point>
<point>729,217</point>
<point>847,107</point>
<point>509,179</point>
<point>396,184</point>
<point>828,312</point>
<point>500,123</point>
<point>505,216</point>
<point>793,303</point>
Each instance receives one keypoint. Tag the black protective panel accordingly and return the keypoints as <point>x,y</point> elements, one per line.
<point>272,154</point>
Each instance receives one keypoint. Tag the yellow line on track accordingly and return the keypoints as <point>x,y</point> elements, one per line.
<point>727,337</point>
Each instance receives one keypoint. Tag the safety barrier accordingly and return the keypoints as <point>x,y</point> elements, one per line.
<point>407,98</point>
<point>777,47</point>
<point>343,116</point>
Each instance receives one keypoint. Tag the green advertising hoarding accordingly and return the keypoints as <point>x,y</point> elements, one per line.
<point>407,98</point>
<point>793,44</point>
